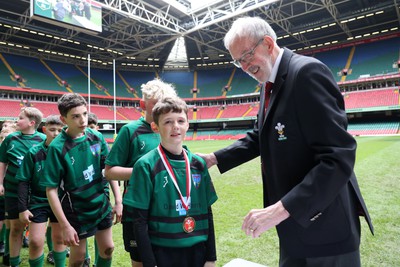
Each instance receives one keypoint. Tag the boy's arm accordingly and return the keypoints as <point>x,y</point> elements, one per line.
<point>3,167</point>
<point>24,176</point>
<point>118,173</point>
<point>70,236</point>
<point>117,209</point>
<point>140,218</point>
<point>23,195</point>
<point>211,253</point>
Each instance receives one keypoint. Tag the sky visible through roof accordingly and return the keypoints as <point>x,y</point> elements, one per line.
<point>177,58</point>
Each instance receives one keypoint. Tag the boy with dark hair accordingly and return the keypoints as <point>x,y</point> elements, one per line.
<point>171,176</point>
<point>133,141</point>
<point>12,152</point>
<point>93,121</point>
<point>73,166</point>
<point>34,208</point>
<point>117,208</point>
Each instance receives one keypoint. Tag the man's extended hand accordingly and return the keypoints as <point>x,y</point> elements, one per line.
<point>257,221</point>
<point>210,159</point>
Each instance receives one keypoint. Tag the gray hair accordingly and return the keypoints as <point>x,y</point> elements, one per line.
<point>253,28</point>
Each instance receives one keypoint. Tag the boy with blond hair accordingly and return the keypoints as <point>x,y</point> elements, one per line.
<point>34,208</point>
<point>12,152</point>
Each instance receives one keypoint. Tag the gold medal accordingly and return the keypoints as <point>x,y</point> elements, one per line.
<point>189,224</point>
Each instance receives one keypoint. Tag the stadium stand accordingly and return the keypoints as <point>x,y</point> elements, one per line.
<point>76,80</point>
<point>34,73</point>
<point>105,113</point>
<point>183,81</point>
<point>204,113</point>
<point>136,79</point>
<point>212,82</point>
<point>221,91</point>
<point>234,111</point>
<point>6,73</point>
<point>374,128</point>
<point>242,83</point>
<point>10,108</point>
<point>372,98</point>
<point>375,58</point>
<point>335,60</point>
<point>254,110</point>
<point>103,80</point>
<point>46,108</point>
<point>130,113</point>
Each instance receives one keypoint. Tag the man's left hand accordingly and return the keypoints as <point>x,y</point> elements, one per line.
<point>257,221</point>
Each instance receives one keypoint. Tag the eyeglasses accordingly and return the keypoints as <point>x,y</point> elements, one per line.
<point>246,57</point>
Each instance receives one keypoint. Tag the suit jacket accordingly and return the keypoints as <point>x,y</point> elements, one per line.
<point>307,160</point>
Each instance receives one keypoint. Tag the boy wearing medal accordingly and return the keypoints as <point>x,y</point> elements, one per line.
<point>134,140</point>
<point>171,194</point>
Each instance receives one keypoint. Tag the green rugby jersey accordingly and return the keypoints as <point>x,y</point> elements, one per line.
<point>31,171</point>
<point>151,188</point>
<point>133,141</point>
<point>12,152</point>
<point>75,166</point>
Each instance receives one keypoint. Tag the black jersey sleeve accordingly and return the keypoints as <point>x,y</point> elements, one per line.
<point>23,195</point>
<point>211,253</point>
<point>140,218</point>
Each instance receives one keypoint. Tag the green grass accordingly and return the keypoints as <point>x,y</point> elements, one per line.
<point>239,190</point>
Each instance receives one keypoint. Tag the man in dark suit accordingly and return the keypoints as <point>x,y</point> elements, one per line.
<point>311,193</point>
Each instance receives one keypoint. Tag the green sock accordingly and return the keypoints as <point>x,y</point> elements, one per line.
<point>3,233</point>
<point>48,238</point>
<point>103,262</point>
<point>96,252</point>
<point>38,262</point>
<point>14,261</point>
<point>60,258</point>
<point>87,250</point>
<point>7,247</point>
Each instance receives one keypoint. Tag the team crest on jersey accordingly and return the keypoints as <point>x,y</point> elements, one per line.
<point>95,150</point>
<point>89,173</point>
<point>196,180</point>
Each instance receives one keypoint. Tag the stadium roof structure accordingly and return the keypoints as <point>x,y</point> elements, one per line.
<point>141,34</point>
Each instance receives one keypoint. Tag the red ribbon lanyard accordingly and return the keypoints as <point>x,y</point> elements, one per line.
<point>167,165</point>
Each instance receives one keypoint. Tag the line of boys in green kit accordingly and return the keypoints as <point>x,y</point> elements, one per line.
<point>74,185</point>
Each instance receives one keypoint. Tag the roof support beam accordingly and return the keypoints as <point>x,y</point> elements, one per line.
<point>330,6</point>
<point>144,12</point>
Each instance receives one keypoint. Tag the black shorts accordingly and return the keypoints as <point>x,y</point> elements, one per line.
<point>130,241</point>
<point>2,209</point>
<point>43,214</point>
<point>194,256</point>
<point>102,225</point>
<point>11,208</point>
